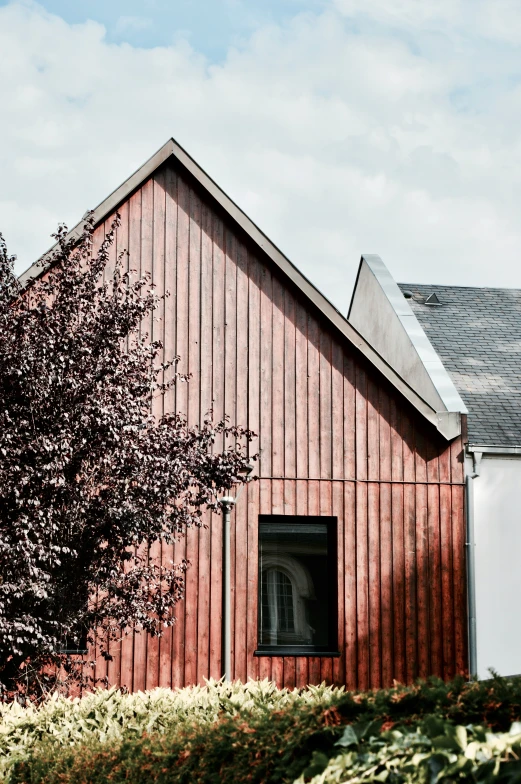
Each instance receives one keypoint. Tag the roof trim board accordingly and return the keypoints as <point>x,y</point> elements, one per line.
<point>493,450</point>
<point>447,422</point>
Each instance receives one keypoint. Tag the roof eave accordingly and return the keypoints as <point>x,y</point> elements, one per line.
<point>493,449</point>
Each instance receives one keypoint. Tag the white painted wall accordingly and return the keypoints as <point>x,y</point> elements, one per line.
<point>497,534</point>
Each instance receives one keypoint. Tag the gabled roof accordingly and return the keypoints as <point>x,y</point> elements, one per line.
<point>477,335</point>
<point>449,426</point>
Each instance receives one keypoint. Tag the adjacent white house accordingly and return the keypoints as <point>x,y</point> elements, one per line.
<point>461,346</point>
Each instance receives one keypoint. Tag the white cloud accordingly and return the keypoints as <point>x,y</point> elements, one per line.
<point>134,23</point>
<point>499,21</point>
<point>335,142</point>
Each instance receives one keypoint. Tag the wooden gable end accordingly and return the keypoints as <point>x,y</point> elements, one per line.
<point>335,439</point>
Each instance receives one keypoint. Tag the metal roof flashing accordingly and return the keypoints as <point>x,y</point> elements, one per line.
<point>381,312</point>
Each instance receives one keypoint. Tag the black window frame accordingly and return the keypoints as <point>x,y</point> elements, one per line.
<point>331,649</point>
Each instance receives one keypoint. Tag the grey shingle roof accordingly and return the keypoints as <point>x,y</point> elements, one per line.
<point>477,335</point>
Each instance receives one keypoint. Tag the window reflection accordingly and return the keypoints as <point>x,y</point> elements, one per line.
<point>295,585</point>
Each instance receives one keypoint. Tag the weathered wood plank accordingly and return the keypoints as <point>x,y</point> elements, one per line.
<point>301,672</point>
<point>253,490</point>
<point>193,361</point>
<point>325,399</point>
<point>277,381</point>
<point>362,588</point>
<point>337,510</point>
<point>433,517</point>
<point>206,405</point>
<point>373,430</point>
<point>374,584</point>
<point>265,668</point>
<point>422,561</point>
<point>301,401</point>
<point>314,670</point>
<point>313,394</point>
<point>153,254</point>
<point>350,557</point>
<point>350,586</point>
<point>387,584</point>
<point>182,290</point>
<point>218,390</point>
<point>362,556</point>
<point>337,411</point>
<point>277,671</point>
<point>252,569</point>
<point>289,677</point>
<point>182,350</point>
<point>241,508</point>
<point>409,530</point>
<point>361,422</point>
<point>277,496</point>
<point>170,279</point>
<point>265,369</point>
<point>398,582</point>
<point>447,568</point>
<point>290,432</point>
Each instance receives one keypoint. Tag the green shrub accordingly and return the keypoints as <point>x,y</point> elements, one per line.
<point>106,717</point>
<point>252,733</point>
<point>437,751</point>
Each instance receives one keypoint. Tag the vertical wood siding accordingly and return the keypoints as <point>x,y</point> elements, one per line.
<point>335,439</point>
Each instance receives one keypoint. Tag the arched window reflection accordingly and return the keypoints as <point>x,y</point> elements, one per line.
<point>277,602</point>
<point>285,586</point>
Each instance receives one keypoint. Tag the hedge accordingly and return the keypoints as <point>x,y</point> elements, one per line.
<point>256,733</point>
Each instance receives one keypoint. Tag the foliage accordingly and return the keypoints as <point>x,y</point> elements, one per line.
<point>255,733</point>
<point>92,470</point>
<point>437,751</point>
<point>107,716</point>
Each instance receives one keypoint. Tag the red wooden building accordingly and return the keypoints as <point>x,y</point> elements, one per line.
<point>348,553</point>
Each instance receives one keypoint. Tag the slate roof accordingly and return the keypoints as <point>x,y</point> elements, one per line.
<point>477,335</point>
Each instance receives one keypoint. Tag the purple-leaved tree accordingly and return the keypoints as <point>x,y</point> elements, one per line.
<point>89,477</point>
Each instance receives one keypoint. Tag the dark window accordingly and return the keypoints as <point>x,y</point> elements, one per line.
<point>76,644</point>
<point>297,585</point>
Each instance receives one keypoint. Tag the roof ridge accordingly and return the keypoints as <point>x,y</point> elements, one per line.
<point>450,286</point>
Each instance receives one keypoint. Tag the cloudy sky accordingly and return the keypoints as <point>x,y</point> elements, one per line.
<point>339,126</point>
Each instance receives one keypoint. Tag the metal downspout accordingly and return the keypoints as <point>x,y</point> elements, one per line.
<point>227,504</point>
<point>471,578</point>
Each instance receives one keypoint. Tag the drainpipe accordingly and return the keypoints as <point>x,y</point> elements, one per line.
<point>471,572</point>
<point>227,503</point>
